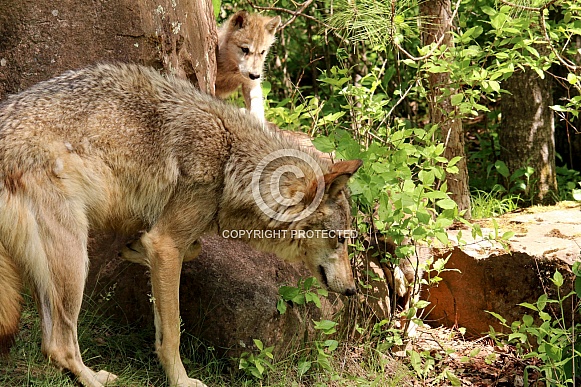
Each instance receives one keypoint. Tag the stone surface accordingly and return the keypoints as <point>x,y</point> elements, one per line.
<point>484,277</point>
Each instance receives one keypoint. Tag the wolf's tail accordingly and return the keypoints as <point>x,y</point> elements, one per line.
<point>10,301</point>
<point>22,257</point>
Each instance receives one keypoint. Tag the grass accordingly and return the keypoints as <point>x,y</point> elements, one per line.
<point>491,204</point>
<point>128,353</point>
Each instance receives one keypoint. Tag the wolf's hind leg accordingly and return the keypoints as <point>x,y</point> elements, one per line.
<point>60,303</point>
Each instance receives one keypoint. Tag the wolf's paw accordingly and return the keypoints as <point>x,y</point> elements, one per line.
<point>105,378</point>
<point>191,383</point>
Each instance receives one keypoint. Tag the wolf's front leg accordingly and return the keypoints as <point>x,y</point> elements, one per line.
<point>165,262</point>
<point>253,98</point>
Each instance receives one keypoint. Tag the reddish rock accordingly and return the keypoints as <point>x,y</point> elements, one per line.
<point>482,277</point>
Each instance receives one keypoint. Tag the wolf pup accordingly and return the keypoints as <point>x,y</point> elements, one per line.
<point>243,43</point>
<point>122,148</point>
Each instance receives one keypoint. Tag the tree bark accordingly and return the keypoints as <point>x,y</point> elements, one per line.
<point>527,135</point>
<point>436,20</point>
<point>40,38</point>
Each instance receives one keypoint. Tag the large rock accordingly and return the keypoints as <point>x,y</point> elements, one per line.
<point>43,38</point>
<point>484,277</point>
<point>228,295</point>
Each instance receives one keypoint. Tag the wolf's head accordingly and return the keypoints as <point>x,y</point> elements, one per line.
<point>245,39</point>
<point>323,236</point>
<point>313,211</point>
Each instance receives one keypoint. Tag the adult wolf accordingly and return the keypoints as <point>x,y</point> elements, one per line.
<point>119,147</point>
<point>243,43</point>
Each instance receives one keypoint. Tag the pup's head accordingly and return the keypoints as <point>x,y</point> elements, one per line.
<point>246,38</point>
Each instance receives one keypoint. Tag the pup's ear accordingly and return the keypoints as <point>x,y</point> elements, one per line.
<point>239,20</point>
<point>273,24</point>
<point>340,173</point>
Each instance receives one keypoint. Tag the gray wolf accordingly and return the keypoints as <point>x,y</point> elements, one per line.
<point>243,43</point>
<point>120,147</point>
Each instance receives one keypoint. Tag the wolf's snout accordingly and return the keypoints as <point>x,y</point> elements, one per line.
<point>254,76</point>
<point>350,292</point>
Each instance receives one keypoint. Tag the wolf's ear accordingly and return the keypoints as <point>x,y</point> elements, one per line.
<point>340,173</point>
<point>272,24</point>
<point>239,20</point>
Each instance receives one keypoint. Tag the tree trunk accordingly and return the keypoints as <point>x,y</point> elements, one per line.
<point>527,132</point>
<point>436,21</point>
<point>40,38</point>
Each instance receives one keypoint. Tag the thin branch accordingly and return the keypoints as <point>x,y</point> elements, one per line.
<point>513,5</point>
<point>295,14</point>
<point>568,64</point>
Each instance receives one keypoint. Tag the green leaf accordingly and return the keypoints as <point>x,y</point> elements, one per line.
<point>557,279</point>
<point>502,168</point>
<point>497,316</point>
<point>507,235</point>
<point>325,325</point>
<point>303,367</point>
<point>258,344</point>
<point>281,306</point>
<point>442,237</point>
<point>331,344</point>
<point>528,320</point>
<point>529,306</point>
<point>498,21</point>
<point>454,380</point>
<point>456,99</point>
<point>312,297</point>
<point>421,304</point>
<point>446,204</point>
<point>454,160</point>
<point>216,4</point>
<point>323,144</point>
<point>542,301</point>
<point>288,292</point>
<point>488,10</point>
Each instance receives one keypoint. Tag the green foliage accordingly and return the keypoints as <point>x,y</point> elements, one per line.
<point>323,349</point>
<point>256,365</point>
<point>548,336</point>
<point>307,290</point>
<point>492,204</point>
<point>569,182</point>
<point>424,364</point>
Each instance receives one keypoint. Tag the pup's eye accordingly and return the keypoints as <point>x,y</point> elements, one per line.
<point>341,239</point>
<point>245,50</point>
<point>262,52</point>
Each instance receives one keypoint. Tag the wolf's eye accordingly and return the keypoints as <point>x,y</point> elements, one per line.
<point>262,52</point>
<point>245,50</point>
<point>341,239</point>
